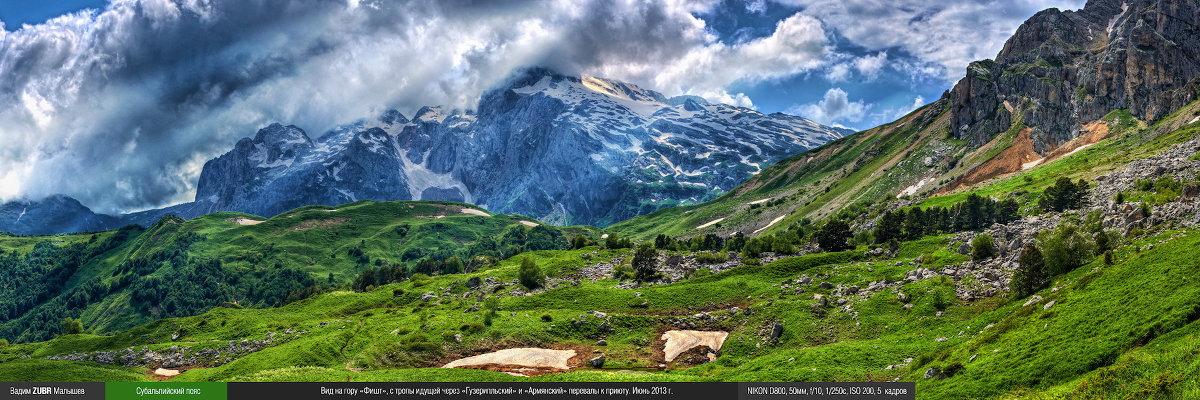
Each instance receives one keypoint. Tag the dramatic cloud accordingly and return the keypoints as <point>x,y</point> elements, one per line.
<point>835,107</point>
<point>947,35</point>
<point>120,108</point>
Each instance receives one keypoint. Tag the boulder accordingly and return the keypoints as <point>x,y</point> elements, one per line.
<point>474,282</point>
<point>776,332</point>
<point>932,373</point>
<point>597,362</point>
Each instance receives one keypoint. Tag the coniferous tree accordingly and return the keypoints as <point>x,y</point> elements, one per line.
<point>833,236</point>
<point>1031,274</point>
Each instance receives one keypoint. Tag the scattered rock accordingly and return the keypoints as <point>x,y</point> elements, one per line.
<point>597,362</point>
<point>931,373</point>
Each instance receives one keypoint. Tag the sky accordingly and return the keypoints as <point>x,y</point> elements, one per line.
<point>119,103</point>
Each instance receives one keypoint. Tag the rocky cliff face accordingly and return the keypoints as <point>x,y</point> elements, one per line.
<point>567,150</point>
<point>1061,70</point>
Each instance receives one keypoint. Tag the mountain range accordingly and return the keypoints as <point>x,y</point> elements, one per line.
<point>564,149</point>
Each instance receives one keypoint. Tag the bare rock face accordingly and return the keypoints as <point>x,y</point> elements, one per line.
<point>1061,70</point>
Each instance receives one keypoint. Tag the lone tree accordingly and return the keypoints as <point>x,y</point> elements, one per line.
<point>645,263</point>
<point>982,247</point>
<point>1031,273</point>
<point>529,274</point>
<point>833,236</point>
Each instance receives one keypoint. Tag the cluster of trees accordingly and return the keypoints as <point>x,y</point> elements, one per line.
<point>708,242</point>
<point>515,240</point>
<point>1064,195</point>
<point>483,252</point>
<point>1058,251</point>
<point>977,212</point>
<point>34,285</point>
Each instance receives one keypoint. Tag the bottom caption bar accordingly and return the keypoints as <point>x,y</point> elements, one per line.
<point>481,390</point>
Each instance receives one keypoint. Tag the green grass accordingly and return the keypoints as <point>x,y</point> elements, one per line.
<point>316,240</point>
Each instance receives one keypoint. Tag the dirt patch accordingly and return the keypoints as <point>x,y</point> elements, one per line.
<point>1093,133</point>
<point>472,211</point>
<point>514,359</point>
<point>1020,156</point>
<point>245,221</point>
<point>678,342</point>
<point>318,223</point>
<point>1010,160</point>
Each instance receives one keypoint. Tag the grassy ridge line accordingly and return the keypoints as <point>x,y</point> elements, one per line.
<point>312,239</point>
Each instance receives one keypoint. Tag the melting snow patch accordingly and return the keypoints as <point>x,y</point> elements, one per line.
<point>916,187</point>
<point>1031,164</point>
<point>711,223</point>
<point>773,222</point>
<point>1194,120</point>
<point>760,201</point>
<point>1077,150</point>
<point>421,178</point>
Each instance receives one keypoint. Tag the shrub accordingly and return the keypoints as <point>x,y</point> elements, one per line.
<point>547,318</point>
<point>833,235</point>
<point>420,279</point>
<point>529,274</point>
<point>1066,248</point>
<point>71,326</point>
<point>623,272</point>
<point>578,242</point>
<point>982,247</point>
<point>472,327</point>
<point>752,261</point>
<point>645,263</point>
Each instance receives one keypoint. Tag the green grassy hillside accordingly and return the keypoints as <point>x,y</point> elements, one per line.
<point>949,301</point>
<point>1103,334</point>
<point>120,279</point>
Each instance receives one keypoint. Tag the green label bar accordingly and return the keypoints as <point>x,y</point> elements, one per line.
<point>166,391</point>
